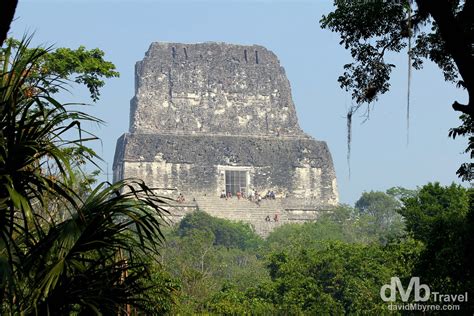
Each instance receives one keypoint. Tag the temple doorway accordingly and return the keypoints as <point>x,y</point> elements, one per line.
<point>236,181</point>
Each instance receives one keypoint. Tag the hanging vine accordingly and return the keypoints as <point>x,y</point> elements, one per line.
<point>440,31</point>
<point>409,71</point>
<point>349,139</point>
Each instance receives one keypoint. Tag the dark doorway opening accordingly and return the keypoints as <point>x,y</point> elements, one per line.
<point>236,181</point>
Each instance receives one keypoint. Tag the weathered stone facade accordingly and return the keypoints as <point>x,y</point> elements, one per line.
<point>211,117</point>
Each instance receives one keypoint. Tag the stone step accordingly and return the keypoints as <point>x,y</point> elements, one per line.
<point>245,211</point>
<point>240,211</point>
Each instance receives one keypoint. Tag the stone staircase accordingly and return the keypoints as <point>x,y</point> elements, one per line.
<point>177,211</point>
<point>245,211</point>
<point>242,210</point>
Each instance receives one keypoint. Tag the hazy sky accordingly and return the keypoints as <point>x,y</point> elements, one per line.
<point>311,57</point>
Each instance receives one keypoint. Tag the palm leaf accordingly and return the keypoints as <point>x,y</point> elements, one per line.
<point>89,248</point>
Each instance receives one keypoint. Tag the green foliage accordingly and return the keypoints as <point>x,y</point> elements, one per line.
<point>371,29</point>
<point>368,30</point>
<point>373,220</point>
<point>92,261</point>
<point>337,278</point>
<point>466,129</point>
<point>32,131</point>
<point>78,263</point>
<point>337,225</point>
<point>205,265</point>
<point>226,233</point>
<point>335,265</point>
<point>442,218</point>
<point>162,292</point>
<point>400,193</point>
<point>334,278</point>
<point>435,207</point>
<point>377,212</point>
<point>443,32</point>
<point>232,302</point>
<point>80,65</point>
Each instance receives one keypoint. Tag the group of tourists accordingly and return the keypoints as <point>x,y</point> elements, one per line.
<point>180,198</point>
<point>270,195</point>
<point>255,196</point>
<point>252,196</point>
<point>228,195</point>
<point>268,219</point>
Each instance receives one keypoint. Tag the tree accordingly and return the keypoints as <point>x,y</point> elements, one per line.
<point>338,278</point>
<point>373,220</point>
<point>336,226</point>
<point>80,65</point>
<point>6,17</point>
<point>400,193</point>
<point>230,301</point>
<point>208,254</point>
<point>371,29</point>
<point>226,233</point>
<point>442,219</point>
<point>378,215</point>
<point>94,259</point>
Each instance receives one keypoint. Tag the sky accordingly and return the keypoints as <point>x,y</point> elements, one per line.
<point>313,60</point>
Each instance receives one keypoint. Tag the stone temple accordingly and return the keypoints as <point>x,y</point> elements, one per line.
<point>212,116</point>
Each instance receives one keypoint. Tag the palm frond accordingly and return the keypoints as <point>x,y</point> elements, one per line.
<point>111,234</point>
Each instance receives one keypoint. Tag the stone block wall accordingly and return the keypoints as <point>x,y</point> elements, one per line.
<point>296,167</point>
<point>201,111</point>
<point>212,88</point>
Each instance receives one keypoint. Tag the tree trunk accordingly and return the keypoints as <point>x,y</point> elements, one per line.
<point>457,41</point>
<point>7,12</point>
